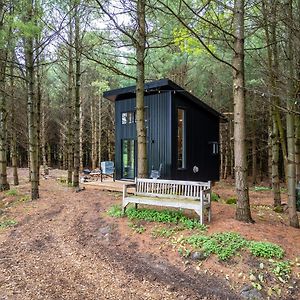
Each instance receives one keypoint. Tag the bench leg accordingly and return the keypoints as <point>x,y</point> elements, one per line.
<point>209,214</point>
<point>136,205</point>
<point>200,214</point>
<point>124,205</point>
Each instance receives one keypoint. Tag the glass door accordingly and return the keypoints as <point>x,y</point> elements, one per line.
<point>128,159</point>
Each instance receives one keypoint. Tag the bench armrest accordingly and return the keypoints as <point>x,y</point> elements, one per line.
<point>126,186</point>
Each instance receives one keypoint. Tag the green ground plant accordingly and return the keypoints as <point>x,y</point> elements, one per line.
<point>282,270</point>
<point>224,245</point>
<point>215,197</point>
<point>230,201</point>
<point>115,211</point>
<point>137,228</point>
<point>265,250</point>
<point>162,232</point>
<point>184,252</point>
<point>7,223</point>
<point>227,244</point>
<point>11,192</point>
<point>162,216</point>
<point>261,188</point>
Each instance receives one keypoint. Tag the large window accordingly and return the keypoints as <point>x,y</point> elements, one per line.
<point>181,138</point>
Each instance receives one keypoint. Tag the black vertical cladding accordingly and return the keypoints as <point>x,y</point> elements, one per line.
<point>162,100</point>
<point>202,129</point>
<point>158,132</point>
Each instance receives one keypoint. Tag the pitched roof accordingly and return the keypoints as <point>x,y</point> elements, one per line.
<point>156,86</point>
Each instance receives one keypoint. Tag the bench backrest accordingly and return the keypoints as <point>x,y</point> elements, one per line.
<point>175,188</point>
<point>107,167</point>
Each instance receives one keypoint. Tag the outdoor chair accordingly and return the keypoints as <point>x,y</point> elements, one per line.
<point>155,174</point>
<point>107,169</point>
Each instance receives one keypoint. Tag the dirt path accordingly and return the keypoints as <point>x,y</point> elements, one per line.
<point>63,249</point>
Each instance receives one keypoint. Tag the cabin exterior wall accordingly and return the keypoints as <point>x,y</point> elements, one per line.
<point>202,142</point>
<point>158,109</point>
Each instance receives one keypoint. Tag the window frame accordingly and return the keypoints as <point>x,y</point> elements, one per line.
<point>125,120</point>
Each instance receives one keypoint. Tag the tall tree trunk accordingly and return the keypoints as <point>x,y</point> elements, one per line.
<point>243,212</point>
<point>94,133</point>
<point>297,120</point>
<point>43,141</point>
<point>140,81</point>
<point>270,130</point>
<point>81,124</point>
<point>297,142</point>
<point>4,185</point>
<point>222,152</point>
<point>38,89</point>
<point>31,107</point>
<point>273,74</point>
<point>254,153</point>
<point>290,123</point>
<point>70,140</point>
<point>254,160</point>
<point>77,98</point>
<point>14,156</point>
<point>49,157</point>
<point>100,131</point>
<point>275,169</point>
<point>38,110</point>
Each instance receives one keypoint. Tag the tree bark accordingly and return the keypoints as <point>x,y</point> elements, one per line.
<point>290,124</point>
<point>254,160</point>
<point>77,98</point>
<point>14,154</point>
<point>38,109</point>
<point>94,133</point>
<point>297,143</point>
<point>70,141</point>
<point>81,124</point>
<point>273,74</point>
<point>297,120</point>
<point>243,212</point>
<point>140,81</point>
<point>100,132</point>
<point>4,185</point>
<point>43,141</point>
<point>31,107</point>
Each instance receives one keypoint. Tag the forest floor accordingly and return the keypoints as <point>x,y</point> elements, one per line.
<point>66,246</point>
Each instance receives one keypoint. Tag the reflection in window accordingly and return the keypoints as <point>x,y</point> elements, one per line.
<point>181,139</point>
<point>128,117</point>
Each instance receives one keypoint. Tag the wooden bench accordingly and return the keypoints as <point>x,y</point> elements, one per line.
<point>170,193</point>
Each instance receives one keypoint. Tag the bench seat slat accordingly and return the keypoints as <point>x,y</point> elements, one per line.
<point>184,203</point>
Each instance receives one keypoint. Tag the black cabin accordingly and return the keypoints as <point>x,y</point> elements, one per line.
<point>182,133</point>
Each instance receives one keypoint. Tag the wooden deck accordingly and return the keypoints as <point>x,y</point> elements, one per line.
<point>109,185</point>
